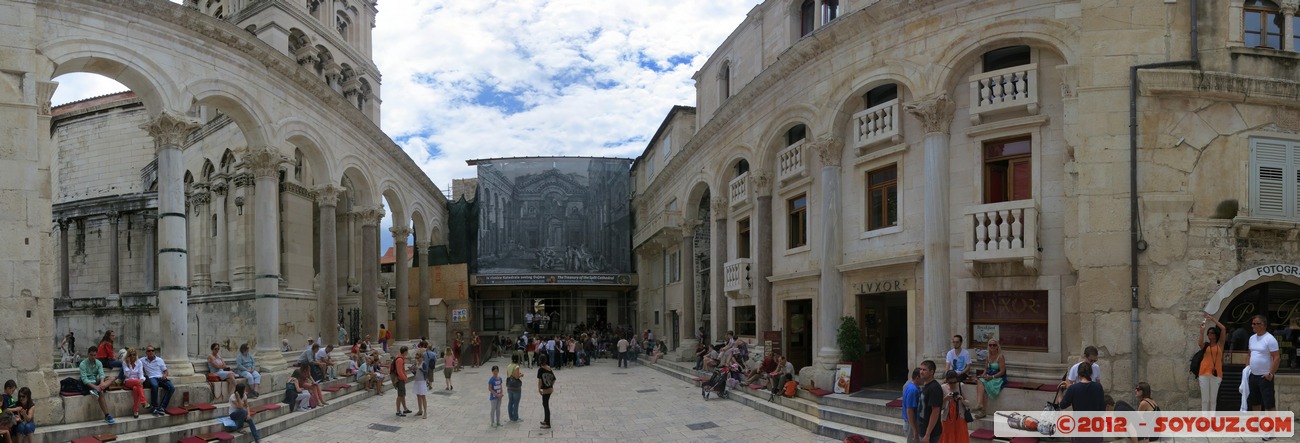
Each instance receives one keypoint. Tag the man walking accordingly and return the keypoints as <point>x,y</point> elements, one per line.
<point>911,398</point>
<point>545,386</point>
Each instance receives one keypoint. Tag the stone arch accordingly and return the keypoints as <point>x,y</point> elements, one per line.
<point>359,186</point>
<point>1289,273</point>
<point>227,162</point>
<point>849,95</point>
<point>418,226</point>
<point>306,138</point>
<point>237,103</point>
<point>297,40</point>
<point>690,209</point>
<point>1037,33</point>
<point>774,139</point>
<point>149,81</point>
<point>396,203</point>
<point>727,169</point>
<point>208,170</point>
<point>323,59</point>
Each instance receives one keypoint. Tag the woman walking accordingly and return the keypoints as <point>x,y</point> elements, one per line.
<point>384,336</point>
<point>1210,373</point>
<point>420,387</point>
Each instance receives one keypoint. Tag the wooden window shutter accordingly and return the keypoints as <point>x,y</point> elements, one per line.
<point>1270,164</point>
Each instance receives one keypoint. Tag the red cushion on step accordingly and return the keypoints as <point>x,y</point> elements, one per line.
<point>820,392</point>
<point>271,407</point>
<point>204,407</point>
<point>85,440</point>
<point>894,404</point>
<point>177,411</point>
<point>1048,388</point>
<point>982,434</point>
<point>1024,440</point>
<point>756,386</point>
<point>191,439</point>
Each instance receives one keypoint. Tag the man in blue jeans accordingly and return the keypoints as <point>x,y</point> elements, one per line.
<point>155,374</point>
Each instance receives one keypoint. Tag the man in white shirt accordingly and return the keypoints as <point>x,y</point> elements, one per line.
<point>155,374</point>
<point>1265,356</point>
<point>622,352</point>
<point>1089,356</point>
<point>958,358</point>
<point>325,362</point>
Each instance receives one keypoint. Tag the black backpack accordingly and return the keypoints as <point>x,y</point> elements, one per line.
<point>1195,365</point>
<point>72,386</point>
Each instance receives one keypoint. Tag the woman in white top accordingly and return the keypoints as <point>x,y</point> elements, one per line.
<point>239,412</point>
<point>420,385</point>
<point>133,370</point>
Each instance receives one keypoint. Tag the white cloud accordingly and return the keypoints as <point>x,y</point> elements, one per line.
<point>579,72</point>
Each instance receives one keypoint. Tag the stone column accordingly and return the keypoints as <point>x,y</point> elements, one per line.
<point>831,292</point>
<point>65,280</point>
<point>221,241</point>
<point>1288,8</point>
<point>403,326</point>
<point>369,219</point>
<point>169,131</point>
<point>687,343</point>
<point>150,225</point>
<point>201,239</point>
<point>422,291</point>
<point>762,267</point>
<point>327,200</point>
<point>718,319</point>
<point>115,255</point>
<point>935,114</point>
<point>264,162</point>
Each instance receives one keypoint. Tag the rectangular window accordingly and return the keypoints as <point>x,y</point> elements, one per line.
<point>673,267</point>
<point>1262,27</point>
<point>668,146</point>
<point>1275,178</point>
<point>1018,319</point>
<point>745,321</point>
<point>1007,170</point>
<point>807,14</point>
<point>830,10</point>
<point>882,198</point>
<point>494,315</point>
<point>649,168</point>
<point>742,239</point>
<point>1295,33</point>
<point>797,222</point>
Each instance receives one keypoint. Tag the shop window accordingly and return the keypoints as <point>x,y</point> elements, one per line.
<point>1275,178</point>
<point>742,238</point>
<point>1017,319</point>
<point>1277,302</point>
<point>882,198</point>
<point>797,222</point>
<point>1007,57</point>
<point>745,321</point>
<point>1262,24</point>
<point>494,315</point>
<point>1008,170</point>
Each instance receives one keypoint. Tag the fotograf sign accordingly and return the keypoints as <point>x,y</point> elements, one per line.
<point>1268,270</point>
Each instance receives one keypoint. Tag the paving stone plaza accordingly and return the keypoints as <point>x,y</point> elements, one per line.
<point>598,403</point>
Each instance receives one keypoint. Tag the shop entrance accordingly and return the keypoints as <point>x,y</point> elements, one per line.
<point>799,327</point>
<point>883,318</point>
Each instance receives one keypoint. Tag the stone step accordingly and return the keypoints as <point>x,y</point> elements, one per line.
<point>127,425</point>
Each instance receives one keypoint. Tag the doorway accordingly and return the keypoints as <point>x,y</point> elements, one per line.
<point>883,318</point>
<point>799,327</point>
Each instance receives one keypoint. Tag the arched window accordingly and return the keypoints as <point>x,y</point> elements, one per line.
<point>1277,301</point>
<point>724,80</point>
<point>1262,24</point>
<point>795,134</point>
<point>297,165</point>
<point>1007,57</point>
<point>742,167</point>
<point>807,17</point>
<point>830,10</point>
<point>880,95</point>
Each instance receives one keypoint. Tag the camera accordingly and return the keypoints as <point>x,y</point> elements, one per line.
<point>952,394</point>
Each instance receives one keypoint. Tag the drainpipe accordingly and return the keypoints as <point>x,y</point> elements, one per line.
<point>1136,244</point>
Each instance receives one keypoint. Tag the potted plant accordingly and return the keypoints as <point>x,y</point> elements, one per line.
<point>852,350</point>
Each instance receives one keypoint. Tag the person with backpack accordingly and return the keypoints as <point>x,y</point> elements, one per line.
<point>430,363</point>
<point>399,382</point>
<point>546,386</point>
<point>1209,367</point>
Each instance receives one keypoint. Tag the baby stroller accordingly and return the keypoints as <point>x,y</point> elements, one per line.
<point>716,383</point>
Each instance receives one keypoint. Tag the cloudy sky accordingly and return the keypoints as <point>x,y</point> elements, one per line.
<point>480,79</point>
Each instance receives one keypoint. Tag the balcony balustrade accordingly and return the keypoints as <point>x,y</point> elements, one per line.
<point>666,220</point>
<point>790,162</point>
<point>735,276</point>
<point>738,189</point>
<point>877,124</point>
<point>1004,89</point>
<point>1002,232</point>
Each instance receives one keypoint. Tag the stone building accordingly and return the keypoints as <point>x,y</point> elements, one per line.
<point>932,168</point>
<point>233,196</point>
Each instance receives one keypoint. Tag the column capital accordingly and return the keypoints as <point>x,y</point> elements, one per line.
<point>422,247</point>
<point>264,161</point>
<point>218,184</point>
<point>934,111</point>
<point>328,195</point>
<point>1289,7</point>
<point>169,130</point>
<point>113,216</point>
<point>830,149</point>
<point>369,217</point>
<point>44,93</point>
<point>687,229</point>
<point>63,223</point>
<point>400,233</point>
<point>718,207</point>
<point>761,184</point>
<point>148,220</point>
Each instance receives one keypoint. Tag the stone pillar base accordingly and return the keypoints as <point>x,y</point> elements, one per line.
<point>686,350</point>
<point>821,378</point>
<point>273,361</point>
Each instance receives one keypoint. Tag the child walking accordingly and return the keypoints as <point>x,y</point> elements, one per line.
<point>447,367</point>
<point>494,395</point>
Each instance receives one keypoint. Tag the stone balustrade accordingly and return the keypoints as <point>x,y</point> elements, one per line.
<point>1002,232</point>
<point>877,124</point>
<point>661,221</point>
<point>790,163</point>
<point>735,276</point>
<point>1004,89</point>
<point>738,189</point>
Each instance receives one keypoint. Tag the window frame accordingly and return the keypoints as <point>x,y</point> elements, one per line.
<point>743,238</point>
<point>1288,173</point>
<point>1011,161</point>
<point>796,229</point>
<point>1262,32</point>
<point>807,15</point>
<point>830,11</point>
<point>884,186</point>
<point>742,324</point>
<point>493,311</point>
<point>666,142</point>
